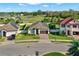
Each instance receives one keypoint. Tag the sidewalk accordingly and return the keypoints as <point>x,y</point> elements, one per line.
<point>8,42</point>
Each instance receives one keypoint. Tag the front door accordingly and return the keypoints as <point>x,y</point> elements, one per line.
<point>37,31</point>
<point>4,33</point>
<point>68,32</point>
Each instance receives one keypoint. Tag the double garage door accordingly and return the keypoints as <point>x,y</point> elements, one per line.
<point>43,32</point>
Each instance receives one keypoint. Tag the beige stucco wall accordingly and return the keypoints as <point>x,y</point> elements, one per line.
<point>31,31</point>
<point>10,33</point>
<point>71,29</point>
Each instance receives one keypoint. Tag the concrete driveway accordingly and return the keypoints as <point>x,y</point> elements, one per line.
<point>30,48</point>
<point>44,38</point>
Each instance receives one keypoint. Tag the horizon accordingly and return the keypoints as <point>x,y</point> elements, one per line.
<point>25,7</point>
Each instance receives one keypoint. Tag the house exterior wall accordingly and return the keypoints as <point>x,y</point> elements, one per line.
<point>71,29</point>
<point>22,31</point>
<point>39,31</point>
<point>0,33</point>
<point>54,30</point>
<point>10,33</point>
<point>2,24</point>
<point>31,31</point>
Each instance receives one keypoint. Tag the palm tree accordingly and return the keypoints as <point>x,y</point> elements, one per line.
<point>74,49</point>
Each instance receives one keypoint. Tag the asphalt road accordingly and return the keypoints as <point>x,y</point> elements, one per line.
<point>31,48</point>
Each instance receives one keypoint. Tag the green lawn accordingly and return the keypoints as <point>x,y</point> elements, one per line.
<point>2,21</point>
<point>27,37</point>
<point>60,38</point>
<point>35,18</point>
<point>54,54</point>
<point>31,19</point>
<point>6,21</point>
<point>2,39</point>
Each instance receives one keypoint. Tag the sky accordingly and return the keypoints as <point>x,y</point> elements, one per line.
<point>24,7</point>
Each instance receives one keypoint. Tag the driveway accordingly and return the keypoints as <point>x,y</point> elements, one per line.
<point>44,38</point>
<point>30,48</point>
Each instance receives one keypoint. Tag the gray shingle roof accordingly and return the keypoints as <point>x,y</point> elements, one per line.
<point>39,25</point>
<point>9,27</point>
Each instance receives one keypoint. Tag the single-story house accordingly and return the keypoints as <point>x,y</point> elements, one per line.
<point>38,28</point>
<point>8,29</point>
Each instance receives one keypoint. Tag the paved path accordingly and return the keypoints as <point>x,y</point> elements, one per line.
<point>76,36</point>
<point>30,48</point>
<point>44,38</point>
<point>8,42</point>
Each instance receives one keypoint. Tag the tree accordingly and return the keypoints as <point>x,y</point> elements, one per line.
<point>39,12</point>
<point>74,49</point>
<point>52,26</point>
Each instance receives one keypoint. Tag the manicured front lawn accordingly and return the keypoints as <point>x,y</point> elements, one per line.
<point>36,18</point>
<point>27,37</point>
<point>54,54</point>
<point>62,38</point>
<point>2,39</point>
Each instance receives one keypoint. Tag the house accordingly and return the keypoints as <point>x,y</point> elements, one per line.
<point>64,22</point>
<point>70,26</point>
<point>38,28</point>
<point>8,29</point>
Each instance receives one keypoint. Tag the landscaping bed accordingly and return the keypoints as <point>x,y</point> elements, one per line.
<point>54,54</point>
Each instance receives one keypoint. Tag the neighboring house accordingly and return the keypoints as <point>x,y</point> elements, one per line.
<point>38,28</point>
<point>8,29</point>
<point>70,26</point>
<point>63,24</point>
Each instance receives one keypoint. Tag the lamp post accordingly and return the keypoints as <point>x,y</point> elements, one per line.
<point>37,53</point>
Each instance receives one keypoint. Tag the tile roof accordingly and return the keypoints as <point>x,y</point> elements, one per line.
<point>74,23</point>
<point>66,20</point>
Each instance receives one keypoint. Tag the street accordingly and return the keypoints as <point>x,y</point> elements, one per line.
<point>30,48</point>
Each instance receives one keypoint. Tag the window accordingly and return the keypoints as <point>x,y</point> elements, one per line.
<point>74,26</point>
<point>78,26</point>
<point>68,26</point>
<point>75,33</point>
<point>63,25</point>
